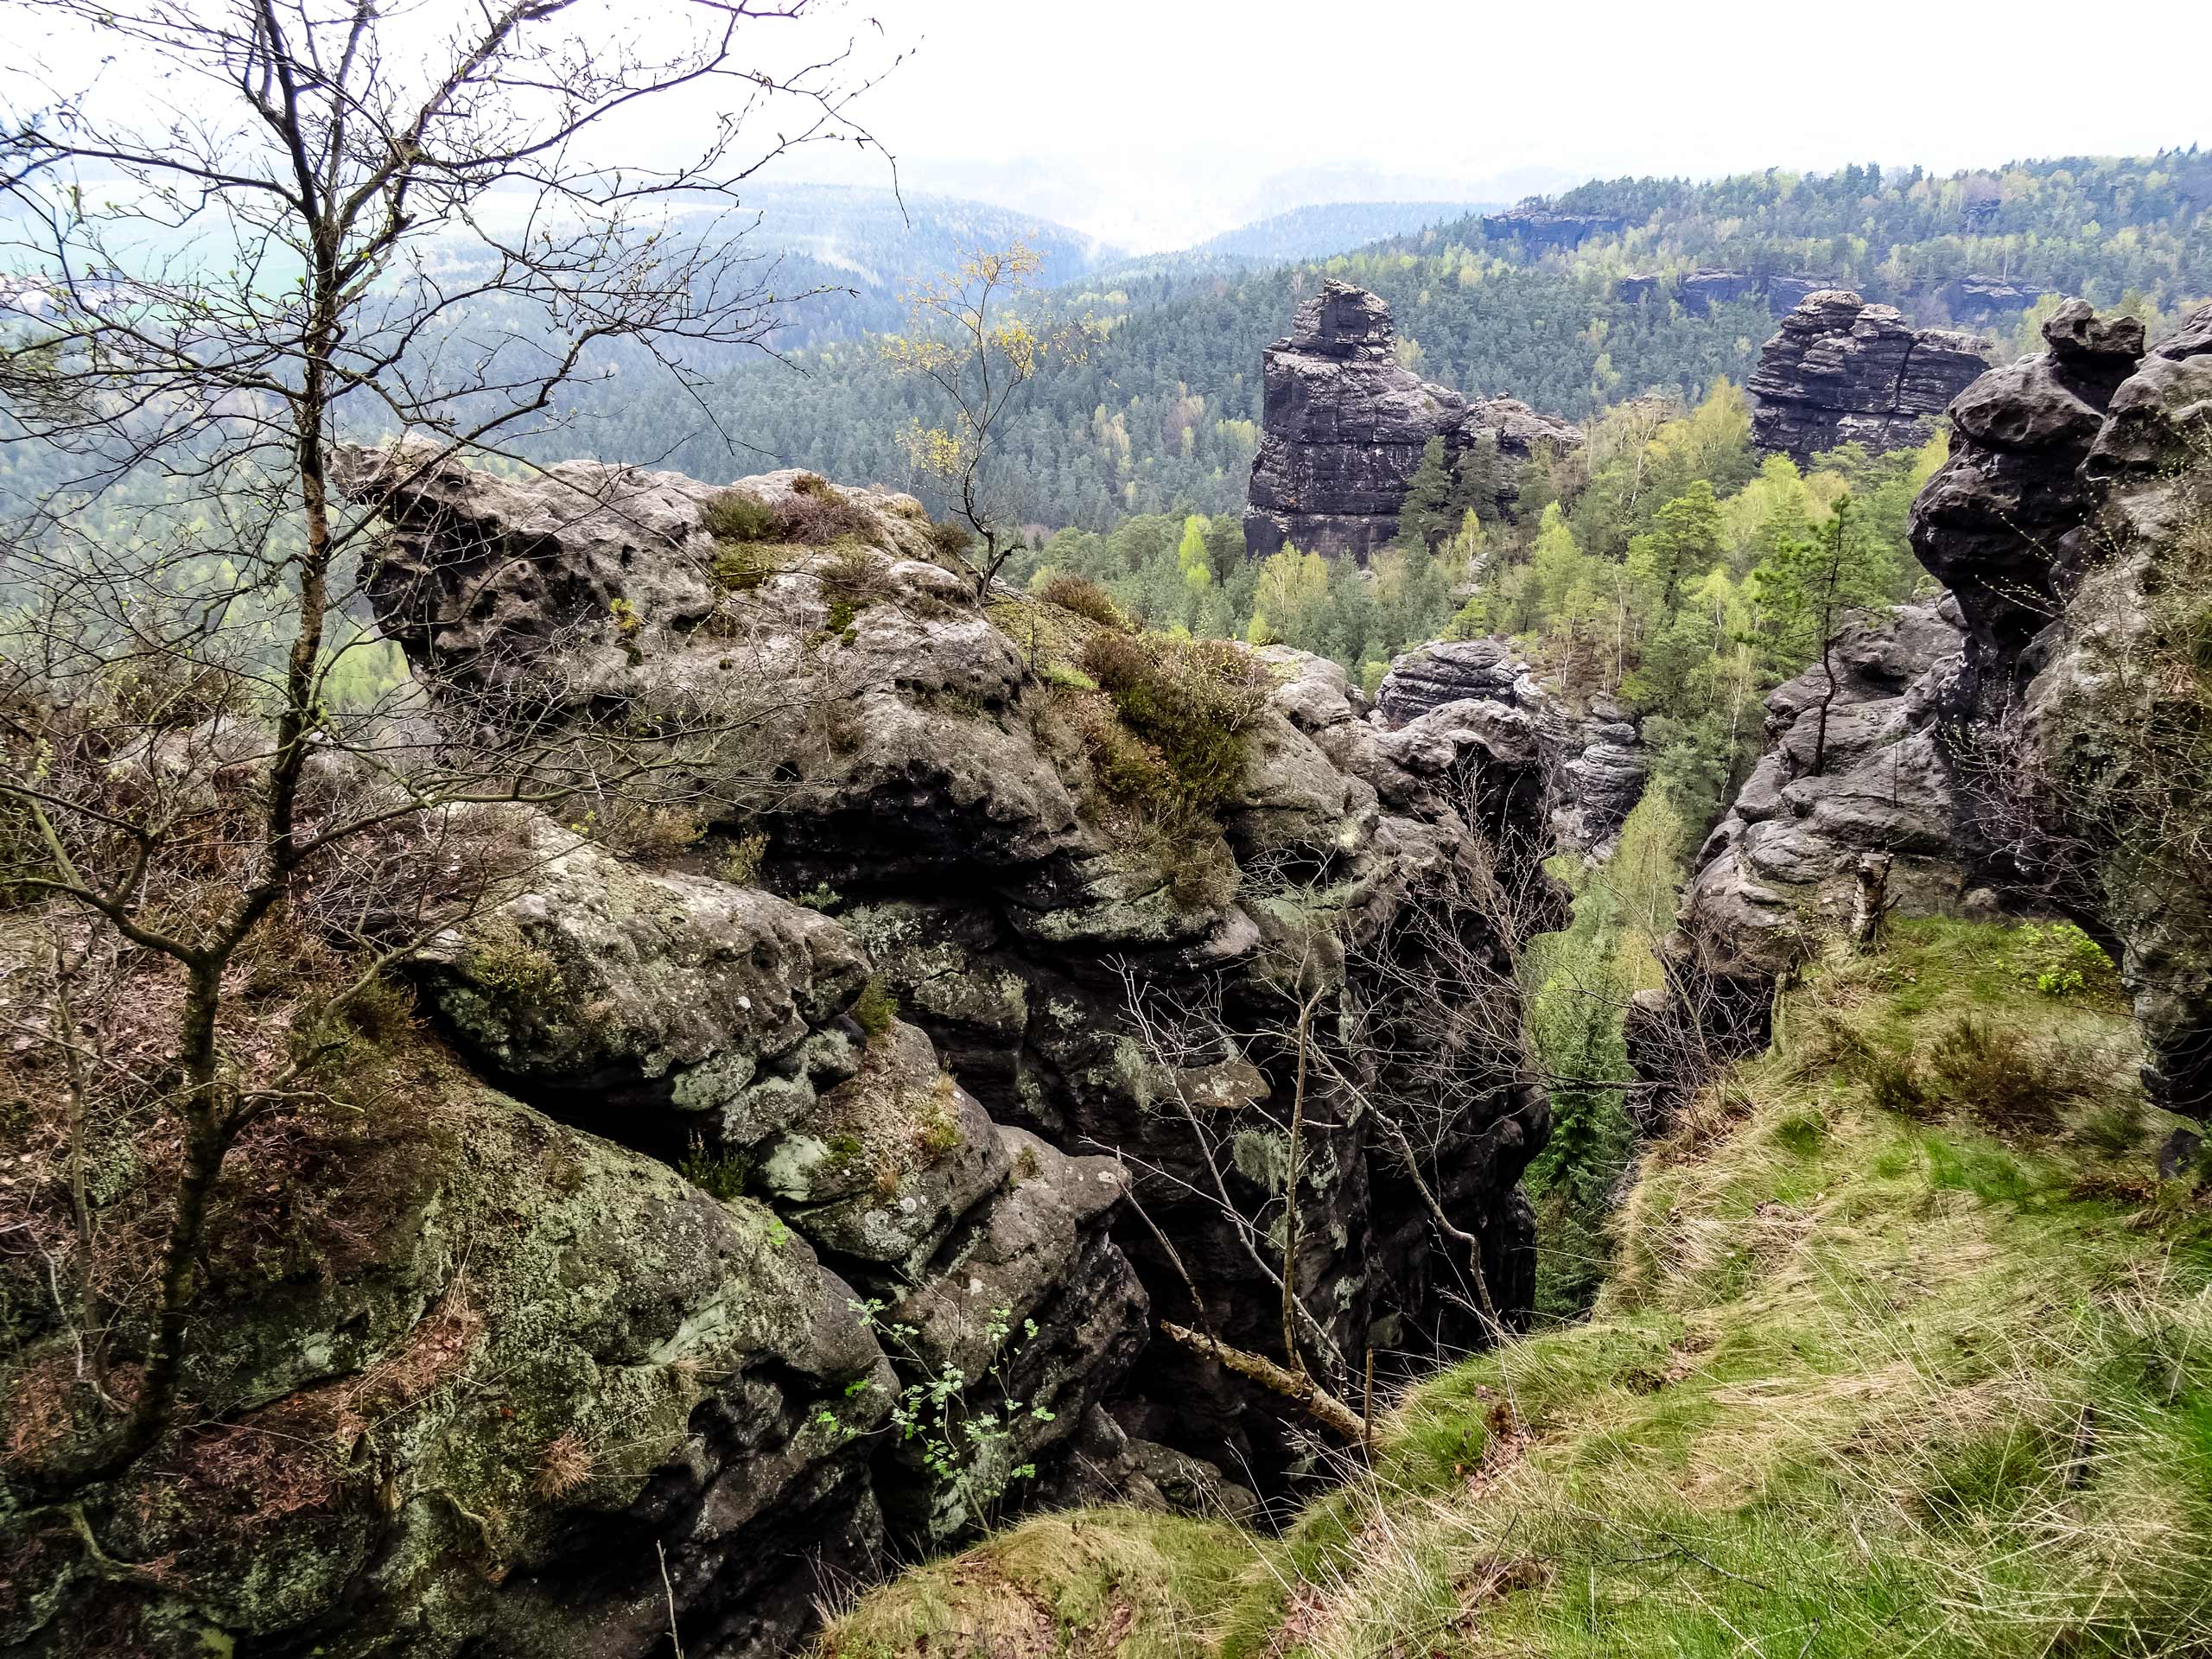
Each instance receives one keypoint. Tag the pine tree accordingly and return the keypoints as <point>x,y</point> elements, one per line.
<point>1808,587</point>
<point>1426,517</point>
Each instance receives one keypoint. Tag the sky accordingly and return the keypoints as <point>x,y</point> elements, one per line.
<point>1155,122</point>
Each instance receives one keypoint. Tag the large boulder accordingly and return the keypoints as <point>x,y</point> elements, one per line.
<point>462,1393</point>
<point>1592,758</point>
<point>1840,371</point>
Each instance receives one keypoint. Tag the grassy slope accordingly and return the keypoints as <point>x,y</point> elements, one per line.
<point>1865,1383</point>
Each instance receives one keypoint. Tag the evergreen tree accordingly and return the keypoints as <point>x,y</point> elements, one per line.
<point>1425,516</point>
<point>1808,587</point>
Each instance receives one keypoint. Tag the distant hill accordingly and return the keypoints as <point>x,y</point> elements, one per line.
<point>871,242</point>
<point>1324,228</point>
<point>1163,414</point>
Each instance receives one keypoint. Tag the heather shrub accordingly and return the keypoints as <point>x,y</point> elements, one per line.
<point>952,540</point>
<point>738,516</point>
<point>2012,1083</point>
<point>1194,701</point>
<point>1085,598</point>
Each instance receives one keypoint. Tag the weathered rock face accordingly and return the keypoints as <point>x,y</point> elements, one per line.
<point>512,1358</point>
<point>1841,371</point>
<point>1535,225</point>
<point>1779,869</point>
<point>1979,297</point>
<point>1345,424</point>
<point>1593,763</point>
<point>937,802</point>
<point>1700,290</point>
<point>2106,716</point>
<point>1974,748</point>
<point>2003,524</point>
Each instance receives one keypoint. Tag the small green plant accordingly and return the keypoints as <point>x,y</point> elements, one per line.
<point>2064,961</point>
<point>742,568</point>
<point>506,965</point>
<point>715,1171</point>
<point>740,865</point>
<point>961,1445</point>
<point>875,1010</point>
<point>821,896</point>
<point>626,616</point>
<point>1073,679</point>
<point>738,516</point>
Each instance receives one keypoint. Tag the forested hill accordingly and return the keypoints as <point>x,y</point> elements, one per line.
<point>1164,414</point>
<point>2101,226</point>
<point>862,246</point>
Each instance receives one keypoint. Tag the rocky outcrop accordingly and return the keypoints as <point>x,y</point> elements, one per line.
<point>1537,225</point>
<point>1700,290</point>
<point>2005,524</point>
<point>1779,870</point>
<point>1981,297</point>
<point>1345,424</point>
<point>449,1388</point>
<point>926,1071</point>
<point>2021,743</point>
<point>1592,761</point>
<point>1841,371</point>
<point>2080,493</point>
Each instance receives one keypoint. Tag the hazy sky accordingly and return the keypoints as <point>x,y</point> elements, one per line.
<point>1155,122</point>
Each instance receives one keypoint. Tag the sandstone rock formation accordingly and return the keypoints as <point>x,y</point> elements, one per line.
<point>2097,761</point>
<point>1841,371</point>
<point>1593,763</point>
<point>1970,298</point>
<point>509,1357</point>
<point>1998,749</point>
<point>1701,289</point>
<point>1537,225</point>
<point>1345,424</point>
<point>1779,869</point>
<point>920,1083</point>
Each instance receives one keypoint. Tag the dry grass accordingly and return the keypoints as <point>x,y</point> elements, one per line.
<point>1865,1384</point>
<point>566,1463</point>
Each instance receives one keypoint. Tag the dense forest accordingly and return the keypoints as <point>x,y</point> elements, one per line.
<point>1163,415</point>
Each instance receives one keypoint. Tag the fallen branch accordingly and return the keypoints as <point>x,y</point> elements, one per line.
<point>1303,1391</point>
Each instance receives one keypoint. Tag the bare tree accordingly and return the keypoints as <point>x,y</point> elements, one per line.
<point>968,339</point>
<point>322,221</point>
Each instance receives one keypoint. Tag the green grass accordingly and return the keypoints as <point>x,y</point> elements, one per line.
<point>1862,1383</point>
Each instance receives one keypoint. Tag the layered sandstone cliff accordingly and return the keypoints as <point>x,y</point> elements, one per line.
<point>1345,424</point>
<point>2026,742</point>
<point>1840,371</point>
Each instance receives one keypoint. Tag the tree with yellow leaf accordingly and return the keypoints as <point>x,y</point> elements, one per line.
<point>965,337</point>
